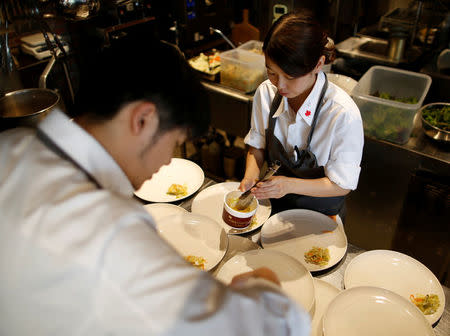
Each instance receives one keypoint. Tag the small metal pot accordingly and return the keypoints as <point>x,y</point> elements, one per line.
<point>432,131</point>
<point>27,107</point>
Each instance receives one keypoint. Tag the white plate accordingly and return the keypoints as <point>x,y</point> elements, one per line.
<point>295,279</point>
<point>324,293</point>
<point>344,82</point>
<point>209,202</point>
<point>296,231</point>
<point>161,210</point>
<point>373,311</point>
<point>396,272</point>
<point>195,235</point>
<point>179,171</point>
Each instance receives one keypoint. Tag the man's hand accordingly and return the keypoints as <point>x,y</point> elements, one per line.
<point>262,272</point>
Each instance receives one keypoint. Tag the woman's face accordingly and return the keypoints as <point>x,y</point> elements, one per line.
<point>289,86</point>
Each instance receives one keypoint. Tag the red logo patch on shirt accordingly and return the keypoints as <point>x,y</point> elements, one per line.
<point>308,113</point>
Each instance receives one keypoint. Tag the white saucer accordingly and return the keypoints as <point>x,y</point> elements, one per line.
<point>296,231</point>
<point>396,272</point>
<point>324,293</point>
<point>373,311</point>
<point>209,202</point>
<point>195,235</point>
<point>295,279</point>
<point>179,171</point>
<point>161,210</point>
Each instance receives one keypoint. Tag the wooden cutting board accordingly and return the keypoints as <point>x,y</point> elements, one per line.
<point>244,31</point>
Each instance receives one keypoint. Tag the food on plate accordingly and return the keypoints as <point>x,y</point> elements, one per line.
<point>428,304</point>
<point>198,262</point>
<point>406,100</point>
<point>232,204</point>
<point>206,63</point>
<point>177,190</point>
<point>318,256</point>
<point>438,116</point>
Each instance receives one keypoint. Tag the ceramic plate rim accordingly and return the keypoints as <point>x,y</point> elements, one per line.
<point>314,318</point>
<point>309,267</point>
<point>416,262</point>
<point>189,214</point>
<point>282,255</point>
<point>229,229</point>
<point>371,289</point>
<point>201,175</point>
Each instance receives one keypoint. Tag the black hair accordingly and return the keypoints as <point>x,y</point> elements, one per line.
<point>295,43</point>
<point>133,70</point>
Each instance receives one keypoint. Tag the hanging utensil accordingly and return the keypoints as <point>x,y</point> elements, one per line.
<point>246,198</point>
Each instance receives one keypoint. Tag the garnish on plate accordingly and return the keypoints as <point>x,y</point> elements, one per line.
<point>318,256</point>
<point>428,304</point>
<point>198,262</point>
<point>177,190</point>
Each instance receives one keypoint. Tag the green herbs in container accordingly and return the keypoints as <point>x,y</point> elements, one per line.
<point>436,121</point>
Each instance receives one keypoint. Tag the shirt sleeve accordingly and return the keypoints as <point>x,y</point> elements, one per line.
<point>147,288</point>
<point>343,167</point>
<point>262,100</point>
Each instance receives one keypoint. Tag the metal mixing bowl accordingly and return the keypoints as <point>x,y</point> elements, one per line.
<point>434,132</point>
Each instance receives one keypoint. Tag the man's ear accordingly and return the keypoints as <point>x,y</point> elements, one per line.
<point>320,64</point>
<point>144,119</point>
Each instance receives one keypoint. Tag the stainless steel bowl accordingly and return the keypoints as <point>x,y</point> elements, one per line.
<point>432,131</point>
<point>27,107</point>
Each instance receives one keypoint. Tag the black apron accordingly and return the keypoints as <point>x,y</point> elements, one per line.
<point>304,167</point>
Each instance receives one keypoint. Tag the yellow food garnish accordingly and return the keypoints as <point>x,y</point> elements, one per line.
<point>428,304</point>
<point>232,204</point>
<point>198,262</point>
<point>317,256</point>
<point>177,190</point>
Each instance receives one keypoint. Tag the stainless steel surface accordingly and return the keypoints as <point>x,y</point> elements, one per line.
<point>368,48</point>
<point>26,107</point>
<point>396,48</point>
<point>434,132</point>
<point>79,9</point>
<point>214,30</point>
<point>230,108</point>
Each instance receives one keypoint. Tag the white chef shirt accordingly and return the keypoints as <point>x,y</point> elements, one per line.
<point>79,260</point>
<point>338,137</point>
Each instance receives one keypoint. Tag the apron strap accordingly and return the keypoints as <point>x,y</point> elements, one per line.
<point>50,144</point>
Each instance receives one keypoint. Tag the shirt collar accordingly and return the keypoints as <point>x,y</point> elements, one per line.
<point>87,152</point>
<point>308,108</point>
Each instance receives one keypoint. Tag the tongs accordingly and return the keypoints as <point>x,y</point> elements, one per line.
<point>246,198</point>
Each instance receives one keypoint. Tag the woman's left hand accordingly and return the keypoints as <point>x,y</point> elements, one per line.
<point>275,187</point>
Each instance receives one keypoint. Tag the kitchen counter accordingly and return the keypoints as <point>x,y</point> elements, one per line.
<point>334,276</point>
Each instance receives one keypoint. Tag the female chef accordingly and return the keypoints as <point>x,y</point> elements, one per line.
<point>301,119</point>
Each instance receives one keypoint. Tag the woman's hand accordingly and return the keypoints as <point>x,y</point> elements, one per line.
<point>275,187</point>
<point>246,184</point>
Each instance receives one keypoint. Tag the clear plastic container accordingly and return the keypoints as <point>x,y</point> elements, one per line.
<point>253,46</point>
<point>389,119</point>
<point>242,69</point>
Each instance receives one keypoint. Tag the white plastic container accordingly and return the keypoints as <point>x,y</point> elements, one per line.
<point>387,119</point>
<point>242,69</point>
<point>253,46</point>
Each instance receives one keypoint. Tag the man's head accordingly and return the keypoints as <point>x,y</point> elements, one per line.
<point>140,100</point>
